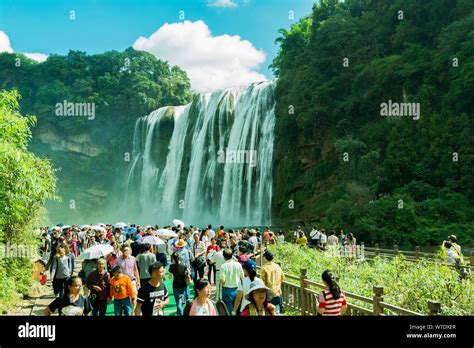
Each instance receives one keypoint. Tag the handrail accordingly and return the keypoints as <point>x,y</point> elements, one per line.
<point>304,299</point>
<point>399,309</point>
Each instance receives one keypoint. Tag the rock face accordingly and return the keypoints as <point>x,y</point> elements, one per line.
<point>81,143</point>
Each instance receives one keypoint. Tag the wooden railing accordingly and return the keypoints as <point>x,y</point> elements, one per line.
<point>416,255</point>
<point>301,294</point>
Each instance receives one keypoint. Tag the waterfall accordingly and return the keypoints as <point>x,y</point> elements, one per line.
<point>209,161</point>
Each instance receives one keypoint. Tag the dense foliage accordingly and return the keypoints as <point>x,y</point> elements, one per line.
<point>26,182</point>
<point>386,179</point>
<point>409,285</point>
<point>91,152</point>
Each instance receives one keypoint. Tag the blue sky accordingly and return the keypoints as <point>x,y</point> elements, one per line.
<point>102,25</point>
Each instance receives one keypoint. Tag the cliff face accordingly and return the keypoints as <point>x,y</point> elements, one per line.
<point>79,143</point>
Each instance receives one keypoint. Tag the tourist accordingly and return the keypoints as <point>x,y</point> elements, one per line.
<point>259,297</point>
<point>456,247</point>
<point>71,302</point>
<point>302,240</point>
<point>342,238</point>
<point>273,277</point>
<point>281,237</point>
<point>323,239</point>
<point>332,301</point>
<point>451,255</point>
<point>55,242</point>
<point>185,255</point>
<point>92,242</point>
<point>250,272</point>
<point>219,260</point>
<point>199,257</point>
<point>69,253</point>
<point>351,243</point>
<point>220,233</point>
<point>122,292</point>
<point>315,235</point>
<point>98,283</point>
<point>144,260</point>
<point>332,239</point>
<point>153,296</point>
<point>180,273</point>
<point>61,270</point>
<point>211,250</point>
<point>253,241</point>
<point>233,245</point>
<point>46,248</point>
<point>128,265</point>
<point>81,235</point>
<point>202,305</point>
<point>210,232</point>
<point>268,236</point>
<point>229,276</point>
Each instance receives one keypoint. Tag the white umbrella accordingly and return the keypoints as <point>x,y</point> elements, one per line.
<point>97,251</point>
<point>98,228</point>
<point>65,227</point>
<point>178,223</point>
<point>101,224</point>
<point>85,226</point>
<point>152,240</point>
<point>164,233</point>
<point>120,225</point>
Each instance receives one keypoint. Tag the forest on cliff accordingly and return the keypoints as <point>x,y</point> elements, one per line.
<point>338,162</point>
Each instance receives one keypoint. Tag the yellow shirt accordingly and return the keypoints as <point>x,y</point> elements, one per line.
<point>273,277</point>
<point>302,240</point>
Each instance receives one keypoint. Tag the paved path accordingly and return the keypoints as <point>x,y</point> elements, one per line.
<point>36,306</point>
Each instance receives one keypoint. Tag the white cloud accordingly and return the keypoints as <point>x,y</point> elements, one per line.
<point>221,3</point>
<point>5,43</point>
<point>5,47</point>
<point>212,62</point>
<point>39,57</point>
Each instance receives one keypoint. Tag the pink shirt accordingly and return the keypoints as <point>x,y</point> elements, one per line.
<point>128,265</point>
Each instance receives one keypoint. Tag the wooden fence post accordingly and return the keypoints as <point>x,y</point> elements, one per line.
<point>417,249</point>
<point>434,307</point>
<point>395,249</point>
<point>378,297</point>
<point>377,249</point>
<point>302,290</point>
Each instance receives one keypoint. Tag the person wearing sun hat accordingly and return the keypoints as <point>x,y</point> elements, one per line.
<point>250,271</point>
<point>259,297</point>
<point>185,255</point>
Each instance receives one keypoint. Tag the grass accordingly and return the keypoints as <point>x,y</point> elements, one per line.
<point>406,284</point>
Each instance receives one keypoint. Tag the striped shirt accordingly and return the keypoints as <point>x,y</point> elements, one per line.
<point>331,306</point>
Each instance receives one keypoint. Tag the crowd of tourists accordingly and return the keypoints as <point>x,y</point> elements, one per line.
<point>212,272</point>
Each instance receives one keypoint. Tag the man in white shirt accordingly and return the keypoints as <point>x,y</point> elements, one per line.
<point>210,232</point>
<point>253,240</point>
<point>315,235</point>
<point>230,275</point>
<point>219,260</point>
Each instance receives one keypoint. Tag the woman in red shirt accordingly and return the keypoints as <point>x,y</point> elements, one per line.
<point>332,301</point>
<point>211,250</point>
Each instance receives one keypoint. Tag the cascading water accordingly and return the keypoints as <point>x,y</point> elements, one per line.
<point>209,161</point>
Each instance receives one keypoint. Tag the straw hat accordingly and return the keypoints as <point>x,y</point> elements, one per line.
<point>181,243</point>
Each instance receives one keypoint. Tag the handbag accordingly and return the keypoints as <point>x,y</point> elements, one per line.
<point>199,261</point>
<point>187,276</point>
